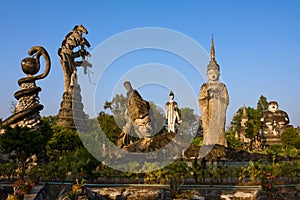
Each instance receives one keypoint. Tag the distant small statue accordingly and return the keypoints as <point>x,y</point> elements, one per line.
<point>213,102</point>
<point>172,114</point>
<point>137,114</point>
<point>26,113</point>
<point>274,120</point>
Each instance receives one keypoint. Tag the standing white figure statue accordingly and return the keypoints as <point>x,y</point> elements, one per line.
<point>172,115</point>
<point>213,102</point>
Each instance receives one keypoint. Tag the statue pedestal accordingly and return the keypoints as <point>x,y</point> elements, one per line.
<point>71,114</point>
<point>270,140</point>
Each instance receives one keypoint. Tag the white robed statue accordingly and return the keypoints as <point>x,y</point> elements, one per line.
<point>172,114</point>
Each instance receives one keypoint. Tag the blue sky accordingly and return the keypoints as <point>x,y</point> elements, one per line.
<point>257,45</point>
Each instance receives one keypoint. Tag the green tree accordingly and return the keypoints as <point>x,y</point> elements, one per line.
<point>290,137</point>
<point>274,150</point>
<point>253,125</point>
<point>109,126</point>
<point>50,120</point>
<point>118,107</point>
<point>235,124</point>
<point>262,105</point>
<point>20,143</point>
<point>62,141</point>
<point>78,164</point>
<point>187,115</point>
<point>198,140</point>
<point>232,141</point>
<point>191,122</point>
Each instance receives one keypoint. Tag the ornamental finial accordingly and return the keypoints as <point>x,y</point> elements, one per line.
<point>212,51</point>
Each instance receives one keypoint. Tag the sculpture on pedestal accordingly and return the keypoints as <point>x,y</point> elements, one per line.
<point>137,116</point>
<point>213,102</point>
<point>71,110</point>
<point>172,115</point>
<point>137,113</point>
<point>274,122</point>
<point>26,113</point>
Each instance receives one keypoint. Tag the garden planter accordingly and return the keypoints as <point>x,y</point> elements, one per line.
<point>14,197</point>
<point>25,189</point>
<point>76,188</point>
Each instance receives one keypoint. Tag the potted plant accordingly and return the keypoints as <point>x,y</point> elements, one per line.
<point>17,193</point>
<point>268,184</point>
<point>77,187</point>
<point>15,197</point>
<point>72,196</point>
<point>24,186</point>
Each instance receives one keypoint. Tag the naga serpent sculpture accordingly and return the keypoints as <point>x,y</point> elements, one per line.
<point>28,107</point>
<point>71,114</point>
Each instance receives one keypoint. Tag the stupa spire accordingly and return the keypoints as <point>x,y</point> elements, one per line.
<point>244,118</point>
<point>213,63</point>
<point>244,110</point>
<point>212,50</point>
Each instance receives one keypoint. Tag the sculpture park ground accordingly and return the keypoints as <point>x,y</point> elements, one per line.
<point>51,157</point>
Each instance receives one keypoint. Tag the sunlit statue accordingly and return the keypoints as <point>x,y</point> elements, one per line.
<point>67,55</point>
<point>73,54</point>
<point>213,102</point>
<point>27,111</point>
<point>172,115</point>
<point>274,120</point>
<point>137,114</point>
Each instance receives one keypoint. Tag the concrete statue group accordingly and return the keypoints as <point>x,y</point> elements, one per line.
<point>26,113</point>
<point>139,117</point>
<point>213,102</point>
<point>213,99</point>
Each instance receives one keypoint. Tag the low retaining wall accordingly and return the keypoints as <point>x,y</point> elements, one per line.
<point>162,192</point>
<point>39,192</point>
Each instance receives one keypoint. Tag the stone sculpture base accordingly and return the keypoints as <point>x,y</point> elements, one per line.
<point>27,111</point>
<point>270,140</point>
<point>71,114</point>
<point>150,144</point>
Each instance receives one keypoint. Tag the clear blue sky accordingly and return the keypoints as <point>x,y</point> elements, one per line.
<point>257,43</point>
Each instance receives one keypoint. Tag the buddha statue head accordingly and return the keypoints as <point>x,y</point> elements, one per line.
<point>213,69</point>
<point>273,106</point>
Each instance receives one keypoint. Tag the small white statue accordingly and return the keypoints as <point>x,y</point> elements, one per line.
<point>172,115</point>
